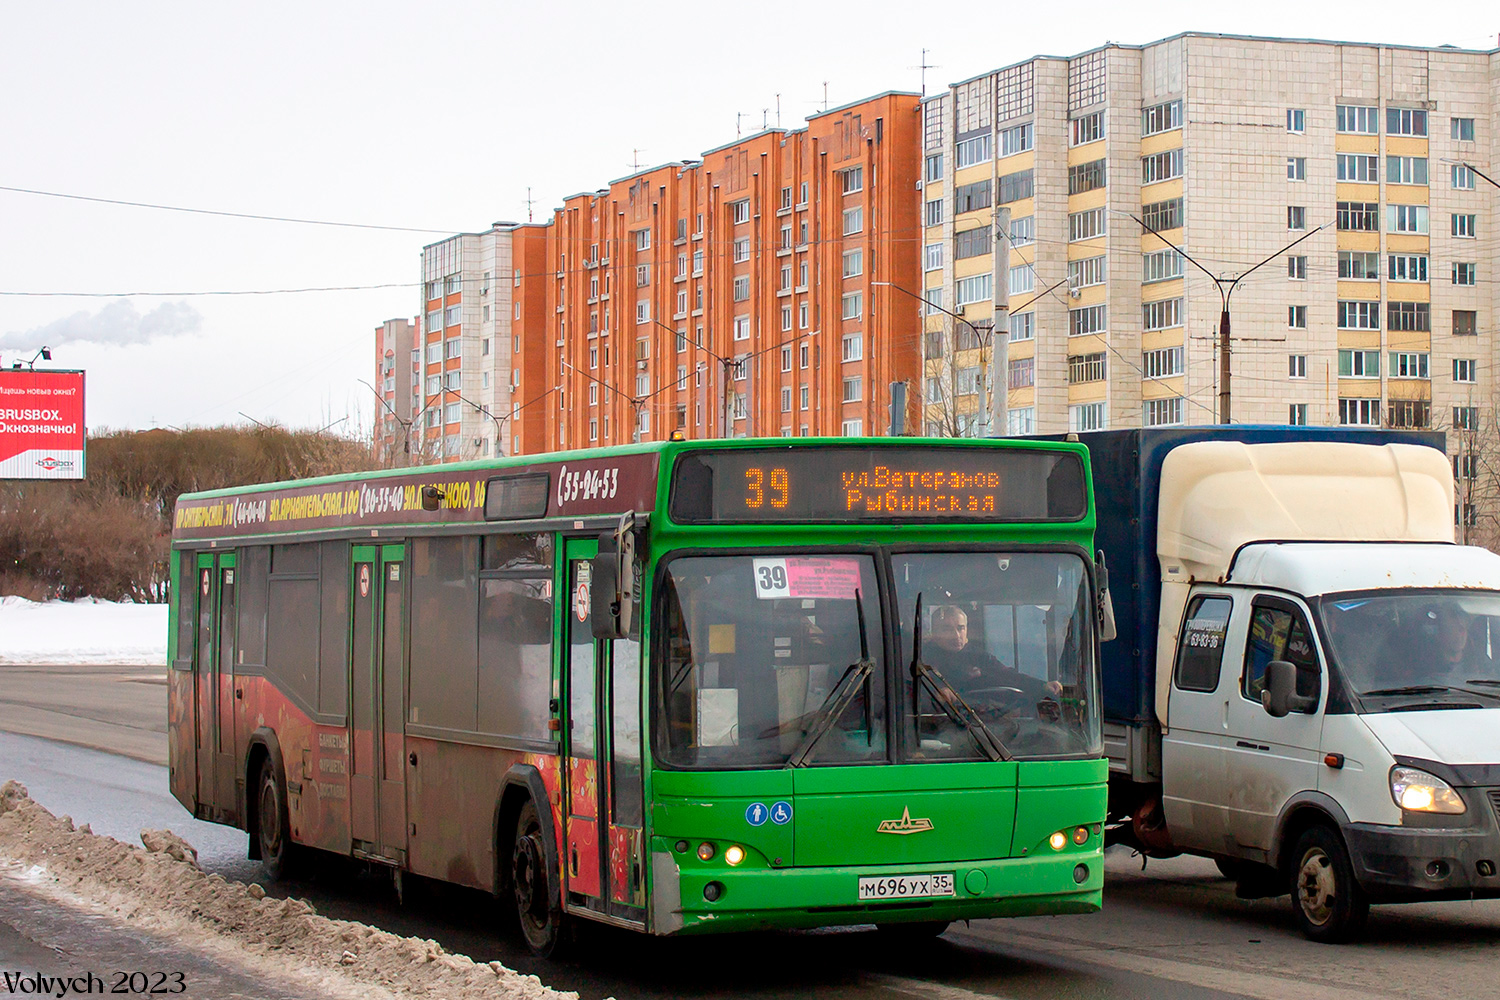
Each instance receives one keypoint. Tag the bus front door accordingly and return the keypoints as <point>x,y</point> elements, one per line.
<point>213,685</point>
<point>377,703</point>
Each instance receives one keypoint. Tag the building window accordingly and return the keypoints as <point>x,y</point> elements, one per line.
<point>1021,420</point>
<point>1018,139</point>
<point>1408,267</point>
<point>1296,168</point>
<point>1465,274</point>
<point>741,249</point>
<point>1023,231</point>
<point>1405,121</point>
<point>853,179</point>
<point>786,359</point>
<point>739,211</point>
<point>1162,412</point>
<point>1358,167</point>
<point>1163,166</point>
<point>971,197</point>
<point>1406,170</point>
<point>786,391</point>
<point>1357,216</point>
<point>742,288</point>
<point>593,357</point>
<point>1465,466</point>
<point>697,262</point>
<point>1296,267</point>
<point>642,385</point>
<point>854,262</point>
<point>1164,362</point>
<point>853,389</point>
<point>452,315</point>
<point>802,397</point>
<point>1021,373</point>
<point>1464,369</point>
<point>1089,319</point>
<point>1359,120</point>
<point>802,315</point>
<point>1016,186</point>
<point>643,239</point>
<point>1021,279</point>
<point>1023,326</point>
<point>786,319</point>
<point>1463,177</point>
<point>854,221</point>
<point>1463,226</point>
<point>1161,118</point>
<point>1088,128</point>
<point>742,328</point>
<point>453,348</point>
<point>1359,412</point>
<point>1085,176</point>
<point>786,278</point>
<point>971,243</point>
<point>854,428</point>
<point>973,289</point>
<point>642,275</point>
<point>1296,317</point>
<point>1408,413</point>
<point>1359,364</point>
<point>853,346</point>
<point>969,381</point>
<point>1462,129</point>
<point>1296,366</point>
<point>1086,225</point>
<point>1406,219</point>
<point>1162,315</point>
<point>643,311</point>
<point>802,356</point>
<point>1161,265</point>
<point>1163,215</point>
<point>1296,414</point>
<point>1465,322</point>
<point>1296,120</point>
<point>682,303</point>
<point>1359,265</point>
<point>593,430</point>
<point>1082,273</point>
<point>1409,364</point>
<point>1087,417</point>
<point>853,305</point>
<point>1408,316</point>
<point>972,151</point>
<point>1296,217</point>
<point>453,380</point>
<point>452,413</point>
<point>1358,315</point>
<point>802,275</point>
<point>1466,418</point>
<point>934,172</point>
<point>933,258</point>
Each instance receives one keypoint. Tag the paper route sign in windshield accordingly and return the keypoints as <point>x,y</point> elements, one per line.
<point>827,578</point>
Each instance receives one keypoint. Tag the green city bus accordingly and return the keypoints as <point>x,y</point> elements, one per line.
<point>678,687</point>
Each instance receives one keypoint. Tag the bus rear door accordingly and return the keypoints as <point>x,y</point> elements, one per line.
<point>377,701</point>
<point>213,685</point>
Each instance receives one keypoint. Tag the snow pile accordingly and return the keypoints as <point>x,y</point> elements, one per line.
<point>161,889</point>
<point>86,631</point>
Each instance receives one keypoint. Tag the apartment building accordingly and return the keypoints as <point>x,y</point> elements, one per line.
<point>1229,148</point>
<point>747,293</point>
<point>397,371</point>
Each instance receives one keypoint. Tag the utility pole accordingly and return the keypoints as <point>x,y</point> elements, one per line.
<point>999,401</point>
<point>1226,289</point>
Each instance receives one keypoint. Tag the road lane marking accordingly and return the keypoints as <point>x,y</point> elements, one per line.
<point>925,990</point>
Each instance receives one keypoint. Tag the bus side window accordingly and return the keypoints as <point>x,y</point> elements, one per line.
<point>625,739</point>
<point>515,636</point>
<point>1201,651</point>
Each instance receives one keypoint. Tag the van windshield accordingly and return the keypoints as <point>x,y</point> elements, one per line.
<point>1416,650</point>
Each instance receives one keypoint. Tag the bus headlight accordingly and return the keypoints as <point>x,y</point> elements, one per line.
<point>1418,791</point>
<point>1058,841</point>
<point>734,854</point>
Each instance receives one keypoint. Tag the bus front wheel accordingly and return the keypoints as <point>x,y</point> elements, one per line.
<point>538,903</point>
<point>272,828</point>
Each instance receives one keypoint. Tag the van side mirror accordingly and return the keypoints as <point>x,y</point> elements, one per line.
<point>1280,697</point>
<point>612,595</point>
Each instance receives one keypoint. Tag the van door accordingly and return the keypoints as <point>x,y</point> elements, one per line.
<point>1192,751</point>
<point>1269,760</point>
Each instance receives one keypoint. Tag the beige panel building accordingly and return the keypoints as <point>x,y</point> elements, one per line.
<point>1230,148</point>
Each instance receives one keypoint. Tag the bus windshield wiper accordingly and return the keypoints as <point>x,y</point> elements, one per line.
<point>856,678</point>
<point>949,700</point>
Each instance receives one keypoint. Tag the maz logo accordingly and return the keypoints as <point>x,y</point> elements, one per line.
<point>905,824</point>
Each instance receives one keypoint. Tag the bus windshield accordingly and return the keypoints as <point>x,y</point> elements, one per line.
<point>757,648</point>
<point>779,660</point>
<point>1399,650</point>
<point>1010,634</point>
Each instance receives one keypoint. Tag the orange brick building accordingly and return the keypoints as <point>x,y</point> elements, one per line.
<point>746,294</point>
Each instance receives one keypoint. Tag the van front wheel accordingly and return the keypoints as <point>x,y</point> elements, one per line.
<point>1330,905</point>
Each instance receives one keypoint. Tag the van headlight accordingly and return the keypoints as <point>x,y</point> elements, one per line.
<point>1418,791</point>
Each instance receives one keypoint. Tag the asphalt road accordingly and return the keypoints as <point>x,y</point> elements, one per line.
<point>1171,932</point>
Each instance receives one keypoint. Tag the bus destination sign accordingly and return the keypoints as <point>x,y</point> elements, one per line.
<point>878,484</point>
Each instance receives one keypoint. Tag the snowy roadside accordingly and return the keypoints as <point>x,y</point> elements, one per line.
<point>160,888</point>
<point>85,631</point>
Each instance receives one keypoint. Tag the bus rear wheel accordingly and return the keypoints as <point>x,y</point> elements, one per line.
<point>273,827</point>
<point>538,904</point>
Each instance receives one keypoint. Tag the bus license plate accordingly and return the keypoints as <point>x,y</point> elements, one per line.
<point>906,886</point>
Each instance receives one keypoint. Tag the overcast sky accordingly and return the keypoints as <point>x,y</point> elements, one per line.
<point>432,116</point>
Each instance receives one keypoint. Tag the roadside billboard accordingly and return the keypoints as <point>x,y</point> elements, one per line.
<point>41,424</point>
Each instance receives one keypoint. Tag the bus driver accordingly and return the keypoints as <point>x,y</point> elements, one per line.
<point>969,666</point>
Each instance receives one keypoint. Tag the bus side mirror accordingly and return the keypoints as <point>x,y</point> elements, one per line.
<point>612,594</point>
<point>432,498</point>
<point>1107,629</point>
<point>1280,696</point>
